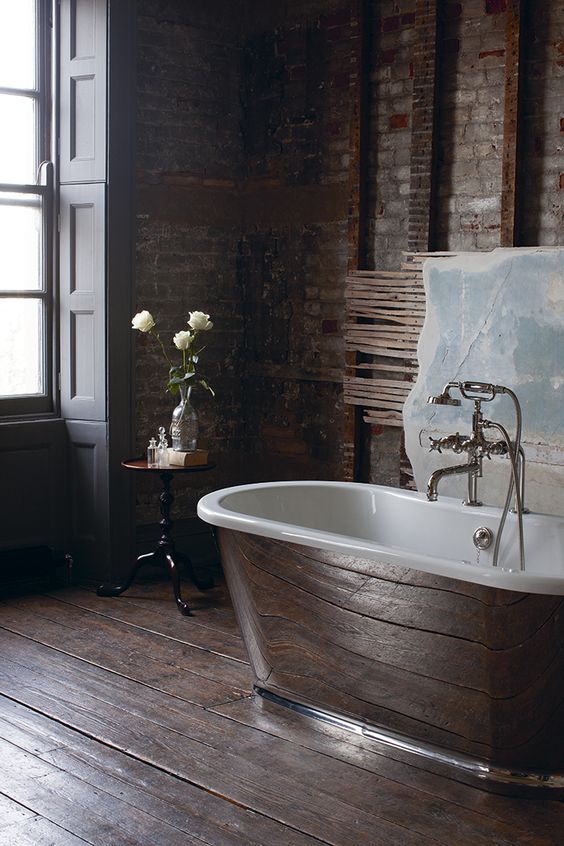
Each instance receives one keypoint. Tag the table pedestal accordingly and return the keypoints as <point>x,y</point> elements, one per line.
<point>165,553</point>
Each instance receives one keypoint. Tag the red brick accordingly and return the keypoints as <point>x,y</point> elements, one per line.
<point>562,124</point>
<point>452,10</point>
<point>336,19</point>
<point>562,181</point>
<point>387,57</point>
<point>333,128</point>
<point>390,24</point>
<point>329,327</point>
<point>494,7</point>
<point>399,121</point>
<point>408,19</point>
<point>485,53</point>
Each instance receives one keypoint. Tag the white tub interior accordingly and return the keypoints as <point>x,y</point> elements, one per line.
<point>396,526</point>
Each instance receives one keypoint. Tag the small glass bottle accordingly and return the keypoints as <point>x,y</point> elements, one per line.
<point>162,448</point>
<point>152,453</point>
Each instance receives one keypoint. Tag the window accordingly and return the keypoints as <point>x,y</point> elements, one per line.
<point>26,209</point>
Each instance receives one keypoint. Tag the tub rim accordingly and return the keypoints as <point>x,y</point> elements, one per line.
<point>210,509</point>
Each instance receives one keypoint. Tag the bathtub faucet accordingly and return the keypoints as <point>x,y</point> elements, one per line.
<point>477,447</point>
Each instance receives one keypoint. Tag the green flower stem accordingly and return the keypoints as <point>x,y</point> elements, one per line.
<point>157,336</point>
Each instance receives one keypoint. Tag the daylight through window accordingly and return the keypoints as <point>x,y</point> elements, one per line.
<point>25,208</point>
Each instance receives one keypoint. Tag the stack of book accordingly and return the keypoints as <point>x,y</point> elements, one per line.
<point>187,459</point>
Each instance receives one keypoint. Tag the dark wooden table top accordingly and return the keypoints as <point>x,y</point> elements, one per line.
<point>140,464</point>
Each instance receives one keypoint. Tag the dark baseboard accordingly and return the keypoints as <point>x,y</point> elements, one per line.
<point>32,569</point>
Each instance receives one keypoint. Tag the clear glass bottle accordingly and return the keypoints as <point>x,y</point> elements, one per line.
<point>152,453</point>
<point>162,448</point>
<point>184,425</point>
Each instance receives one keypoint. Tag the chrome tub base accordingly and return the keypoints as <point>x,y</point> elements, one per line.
<point>455,765</point>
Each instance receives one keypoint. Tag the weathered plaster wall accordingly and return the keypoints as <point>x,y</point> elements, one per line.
<point>499,318</point>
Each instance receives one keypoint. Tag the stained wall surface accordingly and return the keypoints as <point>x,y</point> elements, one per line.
<point>497,318</point>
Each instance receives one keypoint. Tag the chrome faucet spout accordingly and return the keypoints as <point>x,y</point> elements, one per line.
<point>472,467</point>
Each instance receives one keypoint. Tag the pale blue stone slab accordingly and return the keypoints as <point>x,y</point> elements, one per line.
<point>494,317</point>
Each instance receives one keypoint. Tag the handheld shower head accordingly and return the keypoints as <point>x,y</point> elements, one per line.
<point>444,398</point>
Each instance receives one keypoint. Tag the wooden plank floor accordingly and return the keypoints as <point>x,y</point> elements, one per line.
<point>122,722</point>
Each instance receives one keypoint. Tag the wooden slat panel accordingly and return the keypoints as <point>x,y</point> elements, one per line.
<point>385,315</point>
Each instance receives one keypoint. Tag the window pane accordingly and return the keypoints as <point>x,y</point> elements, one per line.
<point>20,247</point>
<point>21,342</point>
<point>17,139</point>
<point>17,43</point>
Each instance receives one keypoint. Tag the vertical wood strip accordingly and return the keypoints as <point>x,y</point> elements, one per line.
<point>511,119</point>
<point>356,136</point>
<point>423,128</point>
<point>356,213</point>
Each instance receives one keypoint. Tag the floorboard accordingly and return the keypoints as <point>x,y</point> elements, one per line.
<point>122,722</point>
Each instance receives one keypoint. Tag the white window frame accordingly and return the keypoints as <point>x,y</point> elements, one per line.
<point>43,192</point>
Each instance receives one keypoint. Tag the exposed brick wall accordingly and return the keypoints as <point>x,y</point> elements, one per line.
<point>244,198</point>
<point>243,165</point>
<point>293,258</point>
<point>472,50</point>
<point>542,198</point>
<point>390,109</point>
<point>294,346</point>
<point>189,160</point>
<point>423,129</point>
<point>471,98</point>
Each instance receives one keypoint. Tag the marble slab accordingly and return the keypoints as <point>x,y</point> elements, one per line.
<point>494,317</point>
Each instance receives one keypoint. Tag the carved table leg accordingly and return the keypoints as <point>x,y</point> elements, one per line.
<point>166,544</point>
<point>116,590</point>
<point>165,555</point>
<point>203,583</point>
<point>174,575</point>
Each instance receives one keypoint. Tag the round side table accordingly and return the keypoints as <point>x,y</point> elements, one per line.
<point>165,553</point>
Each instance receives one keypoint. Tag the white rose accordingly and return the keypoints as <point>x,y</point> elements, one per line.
<point>182,340</point>
<point>143,321</point>
<point>199,321</point>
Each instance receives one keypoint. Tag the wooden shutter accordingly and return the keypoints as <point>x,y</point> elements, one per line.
<point>82,297</point>
<point>83,53</point>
